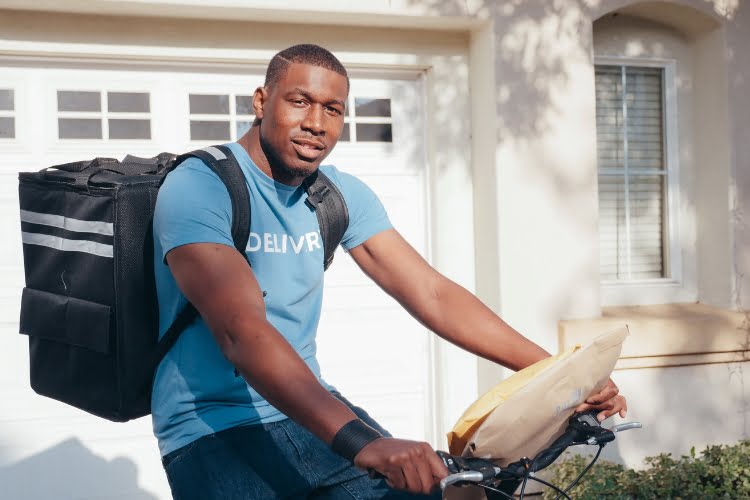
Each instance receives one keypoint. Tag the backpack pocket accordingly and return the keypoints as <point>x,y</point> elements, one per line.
<point>72,358</point>
<point>65,320</point>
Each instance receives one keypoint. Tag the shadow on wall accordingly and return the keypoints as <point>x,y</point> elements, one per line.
<point>70,471</point>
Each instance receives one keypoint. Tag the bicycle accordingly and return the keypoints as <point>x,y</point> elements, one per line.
<point>501,482</point>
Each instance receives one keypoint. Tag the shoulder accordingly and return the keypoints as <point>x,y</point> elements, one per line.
<point>190,190</point>
<point>193,180</point>
<point>367,215</point>
<point>349,185</point>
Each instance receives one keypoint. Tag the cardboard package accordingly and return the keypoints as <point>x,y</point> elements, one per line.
<point>524,413</point>
<point>527,411</point>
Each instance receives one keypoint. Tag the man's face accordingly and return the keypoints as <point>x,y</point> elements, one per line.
<point>302,117</point>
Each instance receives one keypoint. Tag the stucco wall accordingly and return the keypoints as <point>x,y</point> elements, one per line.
<point>683,407</point>
<point>545,169</point>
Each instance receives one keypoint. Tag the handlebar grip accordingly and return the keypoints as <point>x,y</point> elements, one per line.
<point>448,459</point>
<point>545,458</point>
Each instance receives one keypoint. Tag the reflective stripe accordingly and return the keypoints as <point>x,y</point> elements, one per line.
<point>215,152</point>
<point>76,225</point>
<point>65,245</point>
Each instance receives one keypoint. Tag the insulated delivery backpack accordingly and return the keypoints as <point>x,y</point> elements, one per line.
<point>89,306</point>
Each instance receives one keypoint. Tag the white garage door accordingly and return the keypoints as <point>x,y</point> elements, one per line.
<point>370,349</point>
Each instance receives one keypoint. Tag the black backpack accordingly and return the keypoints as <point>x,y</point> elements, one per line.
<point>89,306</point>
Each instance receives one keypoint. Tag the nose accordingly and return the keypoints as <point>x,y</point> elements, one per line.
<point>314,119</point>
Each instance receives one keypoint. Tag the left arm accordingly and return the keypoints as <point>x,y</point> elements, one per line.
<point>453,312</point>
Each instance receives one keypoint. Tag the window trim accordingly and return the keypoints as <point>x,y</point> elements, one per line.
<point>671,288</point>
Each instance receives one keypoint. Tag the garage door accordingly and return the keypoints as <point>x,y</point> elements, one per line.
<point>369,349</point>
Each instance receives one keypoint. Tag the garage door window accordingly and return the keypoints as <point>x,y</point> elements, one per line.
<point>103,115</point>
<point>368,119</point>
<point>220,117</point>
<point>7,114</point>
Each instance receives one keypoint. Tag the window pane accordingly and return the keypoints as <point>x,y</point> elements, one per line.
<point>130,129</point>
<point>244,105</point>
<point>646,230</point>
<point>632,218</point>
<point>209,104</point>
<point>209,131</point>
<point>78,101</point>
<point>365,106</point>
<point>7,128</point>
<point>345,133</point>
<point>374,132</point>
<point>79,128</point>
<point>128,102</point>
<point>6,100</point>
<point>243,127</point>
<point>644,124</point>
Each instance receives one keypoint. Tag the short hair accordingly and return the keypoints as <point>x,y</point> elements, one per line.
<point>305,53</point>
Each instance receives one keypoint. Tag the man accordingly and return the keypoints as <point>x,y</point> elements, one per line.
<point>228,437</point>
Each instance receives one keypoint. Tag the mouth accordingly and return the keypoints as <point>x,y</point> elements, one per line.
<point>308,149</point>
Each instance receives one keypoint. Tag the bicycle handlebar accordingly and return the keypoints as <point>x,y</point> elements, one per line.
<point>583,428</point>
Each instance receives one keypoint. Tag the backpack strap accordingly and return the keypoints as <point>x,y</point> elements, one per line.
<point>222,161</point>
<point>330,207</point>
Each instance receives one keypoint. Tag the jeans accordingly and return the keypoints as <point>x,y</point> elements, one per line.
<point>277,460</point>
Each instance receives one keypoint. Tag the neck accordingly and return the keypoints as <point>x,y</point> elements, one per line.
<point>250,142</point>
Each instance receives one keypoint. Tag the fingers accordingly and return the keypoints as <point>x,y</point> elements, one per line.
<point>608,400</point>
<point>422,469</point>
<point>407,465</point>
<point>607,393</point>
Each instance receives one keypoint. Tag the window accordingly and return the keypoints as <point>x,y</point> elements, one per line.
<point>368,120</point>
<point>630,123</point>
<point>7,114</point>
<point>220,117</point>
<point>103,115</point>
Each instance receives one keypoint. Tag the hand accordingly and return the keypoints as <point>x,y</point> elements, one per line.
<point>407,465</point>
<point>607,400</point>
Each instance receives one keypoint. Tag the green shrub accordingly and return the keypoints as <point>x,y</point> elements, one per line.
<point>719,472</point>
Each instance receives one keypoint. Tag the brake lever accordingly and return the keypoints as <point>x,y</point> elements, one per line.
<point>626,426</point>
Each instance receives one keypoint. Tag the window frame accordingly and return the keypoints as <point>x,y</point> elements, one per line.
<point>231,116</point>
<point>672,287</point>
<point>10,114</point>
<point>103,115</point>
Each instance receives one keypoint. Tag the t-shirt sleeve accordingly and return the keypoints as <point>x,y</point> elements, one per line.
<point>367,216</point>
<point>193,206</point>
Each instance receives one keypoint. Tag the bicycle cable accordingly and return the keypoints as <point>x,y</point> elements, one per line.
<point>583,473</point>
<point>526,478</point>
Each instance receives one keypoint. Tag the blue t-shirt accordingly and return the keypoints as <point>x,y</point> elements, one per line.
<point>196,390</point>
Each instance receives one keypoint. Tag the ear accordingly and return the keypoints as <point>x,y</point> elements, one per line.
<point>259,99</point>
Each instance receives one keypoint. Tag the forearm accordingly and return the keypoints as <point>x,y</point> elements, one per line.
<point>459,317</point>
<point>274,369</point>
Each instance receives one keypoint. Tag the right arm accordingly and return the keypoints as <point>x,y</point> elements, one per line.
<point>218,282</point>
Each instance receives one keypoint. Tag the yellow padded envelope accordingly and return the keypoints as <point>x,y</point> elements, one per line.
<point>527,411</point>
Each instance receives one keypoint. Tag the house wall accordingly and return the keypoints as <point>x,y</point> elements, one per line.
<point>545,194</point>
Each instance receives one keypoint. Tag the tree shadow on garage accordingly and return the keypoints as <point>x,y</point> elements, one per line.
<point>69,470</point>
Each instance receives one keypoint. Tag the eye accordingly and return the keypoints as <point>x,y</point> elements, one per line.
<point>334,111</point>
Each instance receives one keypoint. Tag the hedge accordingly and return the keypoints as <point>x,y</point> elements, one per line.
<point>718,472</point>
